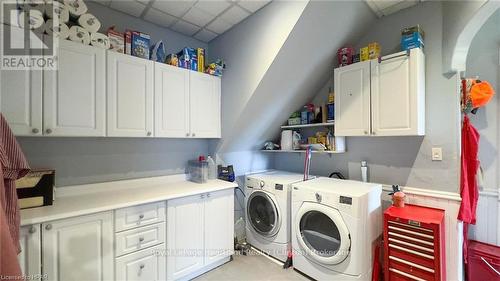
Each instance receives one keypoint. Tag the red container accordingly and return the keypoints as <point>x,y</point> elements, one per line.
<point>344,56</point>
<point>483,262</point>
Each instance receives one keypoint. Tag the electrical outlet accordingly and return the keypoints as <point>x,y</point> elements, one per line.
<point>437,154</point>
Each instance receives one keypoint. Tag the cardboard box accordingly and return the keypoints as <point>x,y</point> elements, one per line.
<point>414,40</point>
<point>116,40</point>
<point>172,60</point>
<point>140,44</point>
<point>373,50</point>
<point>201,59</point>
<point>363,54</point>
<point>188,59</point>
<point>128,42</point>
<point>410,30</point>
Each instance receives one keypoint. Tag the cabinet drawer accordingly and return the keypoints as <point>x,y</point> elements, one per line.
<point>139,238</point>
<point>132,217</point>
<point>147,265</point>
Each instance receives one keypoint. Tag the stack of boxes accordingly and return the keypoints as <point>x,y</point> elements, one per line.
<point>412,37</point>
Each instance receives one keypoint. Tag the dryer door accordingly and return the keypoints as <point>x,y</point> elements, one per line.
<point>322,233</point>
<point>262,213</point>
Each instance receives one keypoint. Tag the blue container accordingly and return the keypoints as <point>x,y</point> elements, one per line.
<point>304,117</point>
<point>412,41</point>
<point>330,112</point>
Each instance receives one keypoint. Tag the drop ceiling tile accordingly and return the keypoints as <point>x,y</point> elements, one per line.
<point>219,26</point>
<point>175,8</point>
<point>234,15</point>
<point>159,18</point>
<point>252,5</point>
<point>212,7</point>
<point>205,35</point>
<point>132,8</point>
<point>197,17</point>
<point>384,4</point>
<point>185,28</point>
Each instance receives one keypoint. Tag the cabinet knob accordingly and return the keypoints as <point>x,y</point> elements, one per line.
<point>374,133</point>
<point>208,195</point>
<point>48,226</point>
<point>141,239</point>
<point>35,130</point>
<point>141,266</point>
<point>149,134</point>
<point>187,134</point>
<point>366,132</point>
<point>202,196</point>
<point>141,216</point>
<point>48,131</point>
<point>193,134</point>
<point>32,229</point>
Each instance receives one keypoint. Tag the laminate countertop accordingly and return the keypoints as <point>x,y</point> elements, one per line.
<point>86,199</point>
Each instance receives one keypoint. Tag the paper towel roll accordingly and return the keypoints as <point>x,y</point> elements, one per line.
<point>89,22</point>
<point>60,30</point>
<point>79,34</point>
<point>57,10</point>
<point>99,40</point>
<point>286,140</point>
<point>34,19</point>
<point>26,5</point>
<point>76,8</point>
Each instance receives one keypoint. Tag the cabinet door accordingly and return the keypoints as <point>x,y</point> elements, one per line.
<point>21,96</point>
<point>398,95</point>
<point>352,99</point>
<point>185,230</point>
<point>30,258</point>
<point>75,94</point>
<point>171,101</point>
<point>205,105</point>
<point>219,225</point>
<point>130,96</point>
<point>79,248</point>
<point>147,265</point>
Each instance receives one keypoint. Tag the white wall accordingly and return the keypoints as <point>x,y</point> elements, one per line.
<point>483,61</point>
<point>404,160</point>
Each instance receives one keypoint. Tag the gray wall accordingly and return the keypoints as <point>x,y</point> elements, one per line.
<point>483,62</point>
<point>88,160</point>
<point>403,160</point>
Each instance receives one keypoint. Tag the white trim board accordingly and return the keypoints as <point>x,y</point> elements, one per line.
<point>427,192</point>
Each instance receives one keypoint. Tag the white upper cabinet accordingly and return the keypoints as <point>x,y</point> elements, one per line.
<point>381,98</point>
<point>79,248</point>
<point>398,95</point>
<point>21,97</point>
<point>205,114</point>
<point>171,101</point>
<point>130,96</point>
<point>75,94</point>
<point>352,99</point>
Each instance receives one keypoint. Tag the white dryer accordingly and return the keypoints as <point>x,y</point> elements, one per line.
<point>267,201</point>
<point>336,224</point>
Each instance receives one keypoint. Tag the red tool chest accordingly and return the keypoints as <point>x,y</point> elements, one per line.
<point>414,244</point>
<point>483,262</point>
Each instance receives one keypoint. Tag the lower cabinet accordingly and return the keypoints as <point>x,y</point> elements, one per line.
<point>30,258</point>
<point>199,233</point>
<point>79,248</point>
<point>147,265</point>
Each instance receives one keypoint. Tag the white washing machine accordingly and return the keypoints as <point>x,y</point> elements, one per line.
<point>335,226</point>
<point>267,201</point>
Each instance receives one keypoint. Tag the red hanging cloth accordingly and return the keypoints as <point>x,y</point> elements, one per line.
<point>468,183</point>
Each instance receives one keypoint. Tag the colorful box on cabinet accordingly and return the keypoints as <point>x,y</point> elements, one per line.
<point>201,59</point>
<point>188,59</point>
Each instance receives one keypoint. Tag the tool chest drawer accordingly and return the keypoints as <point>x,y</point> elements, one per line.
<point>414,243</point>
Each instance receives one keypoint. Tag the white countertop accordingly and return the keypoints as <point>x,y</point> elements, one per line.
<point>92,198</point>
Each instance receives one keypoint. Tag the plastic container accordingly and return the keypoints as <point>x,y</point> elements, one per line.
<point>483,262</point>
<point>198,171</point>
<point>364,171</point>
<point>398,199</point>
<point>212,168</point>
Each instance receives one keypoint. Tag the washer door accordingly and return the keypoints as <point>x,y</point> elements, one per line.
<point>262,213</point>
<point>322,233</point>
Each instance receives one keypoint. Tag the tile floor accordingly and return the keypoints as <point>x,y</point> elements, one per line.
<point>253,266</point>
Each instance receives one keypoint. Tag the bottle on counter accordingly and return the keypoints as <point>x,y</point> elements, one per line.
<point>212,168</point>
<point>364,171</point>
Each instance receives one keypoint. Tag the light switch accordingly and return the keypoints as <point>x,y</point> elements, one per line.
<point>437,154</point>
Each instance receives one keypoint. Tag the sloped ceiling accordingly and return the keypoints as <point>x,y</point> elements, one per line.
<point>302,66</point>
